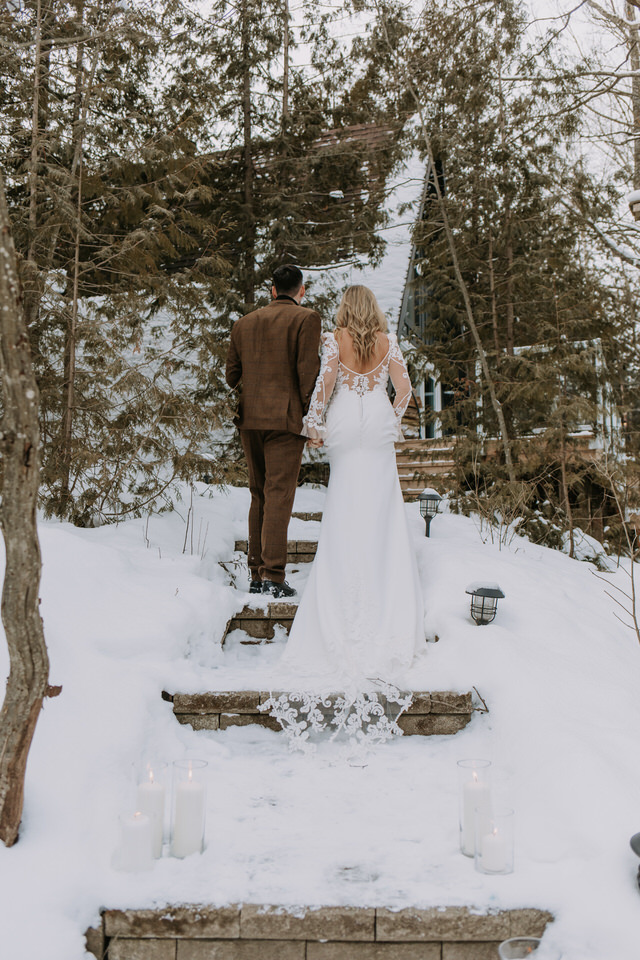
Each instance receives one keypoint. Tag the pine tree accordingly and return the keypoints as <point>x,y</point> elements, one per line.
<point>101,198</point>
<point>507,154</point>
<point>162,163</point>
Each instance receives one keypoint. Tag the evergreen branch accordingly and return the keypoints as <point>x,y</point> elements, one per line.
<point>482,356</point>
<point>57,43</point>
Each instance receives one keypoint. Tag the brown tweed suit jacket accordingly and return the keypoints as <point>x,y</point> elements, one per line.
<point>274,350</point>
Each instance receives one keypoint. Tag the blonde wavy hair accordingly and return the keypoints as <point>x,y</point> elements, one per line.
<point>360,315</point>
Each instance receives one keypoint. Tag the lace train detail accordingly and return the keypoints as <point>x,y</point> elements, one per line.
<point>359,719</point>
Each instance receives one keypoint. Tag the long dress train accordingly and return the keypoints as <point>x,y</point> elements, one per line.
<point>360,620</point>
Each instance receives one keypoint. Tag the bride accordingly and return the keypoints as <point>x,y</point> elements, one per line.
<point>360,619</point>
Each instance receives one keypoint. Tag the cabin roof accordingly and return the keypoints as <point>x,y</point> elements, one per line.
<point>387,279</point>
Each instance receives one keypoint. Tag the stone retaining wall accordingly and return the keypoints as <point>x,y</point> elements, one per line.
<point>298,551</point>
<point>259,622</point>
<point>430,714</point>
<point>253,932</point>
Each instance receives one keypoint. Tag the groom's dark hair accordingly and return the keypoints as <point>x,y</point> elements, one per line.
<point>287,279</point>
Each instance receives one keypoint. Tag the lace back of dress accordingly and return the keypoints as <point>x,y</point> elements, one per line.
<point>362,383</point>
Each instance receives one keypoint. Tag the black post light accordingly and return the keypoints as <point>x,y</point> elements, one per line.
<point>429,503</point>
<point>484,601</point>
<point>635,846</point>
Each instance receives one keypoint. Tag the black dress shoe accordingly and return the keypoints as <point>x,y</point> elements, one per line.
<point>278,589</point>
<point>255,586</point>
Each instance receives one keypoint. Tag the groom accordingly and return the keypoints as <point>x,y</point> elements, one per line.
<point>274,351</point>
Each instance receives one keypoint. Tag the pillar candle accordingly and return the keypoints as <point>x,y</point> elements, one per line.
<point>136,841</point>
<point>150,801</point>
<point>188,818</point>
<point>475,796</point>
<point>493,849</point>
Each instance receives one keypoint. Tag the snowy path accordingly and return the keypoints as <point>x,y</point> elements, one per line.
<point>128,614</point>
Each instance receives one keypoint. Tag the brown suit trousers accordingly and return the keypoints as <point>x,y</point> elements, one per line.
<point>274,355</point>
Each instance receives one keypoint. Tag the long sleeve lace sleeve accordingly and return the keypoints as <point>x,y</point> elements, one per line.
<point>400,380</point>
<point>313,423</point>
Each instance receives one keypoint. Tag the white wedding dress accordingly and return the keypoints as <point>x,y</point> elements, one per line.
<point>360,620</point>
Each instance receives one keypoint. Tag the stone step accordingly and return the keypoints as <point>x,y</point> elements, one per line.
<point>307,516</point>
<point>273,932</point>
<point>430,443</point>
<point>298,551</point>
<point>430,714</point>
<point>259,623</point>
<point>423,471</point>
<point>425,463</point>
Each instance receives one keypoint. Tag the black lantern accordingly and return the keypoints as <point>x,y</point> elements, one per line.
<point>634,204</point>
<point>484,601</point>
<point>429,503</point>
<point>635,846</point>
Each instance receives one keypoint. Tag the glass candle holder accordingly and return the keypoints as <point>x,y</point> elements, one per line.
<point>518,948</point>
<point>135,852</point>
<point>494,841</point>
<point>189,800</point>
<point>150,777</point>
<point>474,792</point>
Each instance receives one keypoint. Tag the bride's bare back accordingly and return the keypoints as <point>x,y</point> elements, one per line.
<point>348,355</point>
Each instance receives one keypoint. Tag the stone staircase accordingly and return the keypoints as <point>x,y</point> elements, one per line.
<point>259,623</point>
<point>250,931</point>
<point>424,463</point>
<point>298,551</point>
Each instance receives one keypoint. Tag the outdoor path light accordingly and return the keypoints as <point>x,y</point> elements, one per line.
<point>635,846</point>
<point>634,204</point>
<point>484,601</point>
<point>429,502</point>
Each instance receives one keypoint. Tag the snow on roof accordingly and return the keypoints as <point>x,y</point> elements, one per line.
<point>387,280</point>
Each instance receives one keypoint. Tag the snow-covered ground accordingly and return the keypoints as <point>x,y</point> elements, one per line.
<point>128,614</point>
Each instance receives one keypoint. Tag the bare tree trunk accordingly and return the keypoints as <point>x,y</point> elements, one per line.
<point>20,444</point>
<point>494,302</point>
<point>634,57</point>
<point>471,320</point>
<point>563,440</point>
<point>285,75</point>
<point>249,239</point>
<point>34,271</point>
<point>510,341</point>
<point>565,490</point>
<point>32,280</point>
<point>35,136</point>
<point>507,218</point>
<point>70,340</point>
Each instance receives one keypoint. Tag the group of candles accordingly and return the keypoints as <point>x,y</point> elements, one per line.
<point>486,833</point>
<point>142,833</point>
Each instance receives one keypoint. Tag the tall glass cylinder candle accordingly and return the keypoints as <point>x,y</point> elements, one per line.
<point>150,798</point>
<point>474,793</point>
<point>518,948</point>
<point>136,843</point>
<point>189,798</point>
<point>494,842</point>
